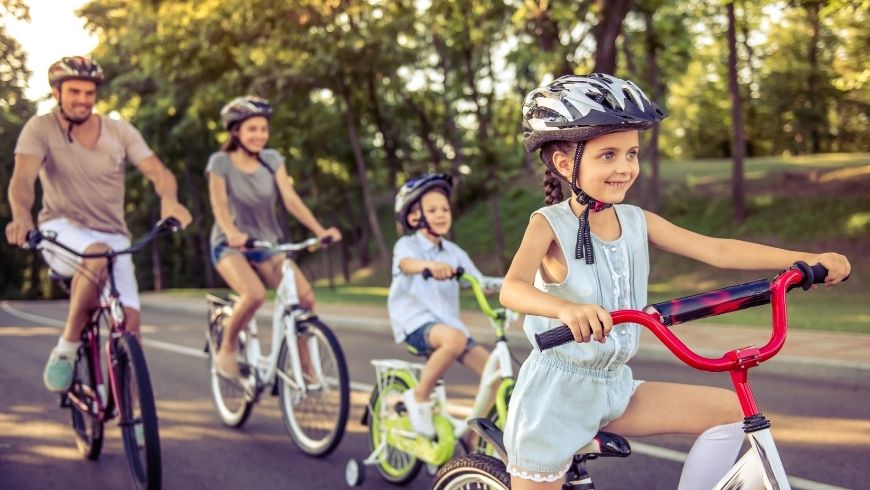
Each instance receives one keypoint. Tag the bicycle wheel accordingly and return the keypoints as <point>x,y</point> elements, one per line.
<point>473,472</point>
<point>229,396</point>
<point>88,429</point>
<point>137,414</point>
<point>397,467</point>
<point>315,418</point>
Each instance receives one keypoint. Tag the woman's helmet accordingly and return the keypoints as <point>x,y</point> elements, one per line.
<point>74,68</point>
<point>413,191</point>
<point>242,108</point>
<point>579,108</point>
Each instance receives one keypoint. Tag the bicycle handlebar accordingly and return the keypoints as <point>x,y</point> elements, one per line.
<point>311,243</point>
<point>479,295</point>
<point>710,304</point>
<point>34,237</point>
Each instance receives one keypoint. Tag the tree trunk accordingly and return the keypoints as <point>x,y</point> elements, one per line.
<point>371,211</point>
<point>652,67</point>
<point>610,16</point>
<point>497,232</point>
<point>452,134</point>
<point>385,126</point>
<point>425,131</point>
<point>737,140</point>
<point>813,98</point>
<point>200,227</point>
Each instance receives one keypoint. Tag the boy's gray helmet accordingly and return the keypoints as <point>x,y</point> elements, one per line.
<point>579,108</point>
<point>413,191</point>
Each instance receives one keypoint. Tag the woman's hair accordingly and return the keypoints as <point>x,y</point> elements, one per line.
<point>552,179</point>
<point>233,143</point>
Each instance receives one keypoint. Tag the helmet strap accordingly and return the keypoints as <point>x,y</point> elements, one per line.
<point>72,122</point>
<point>583,247</point>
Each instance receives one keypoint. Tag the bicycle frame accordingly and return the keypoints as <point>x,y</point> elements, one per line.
<point>762,458</point>
<point>286,315</point>
<point>495,381</point>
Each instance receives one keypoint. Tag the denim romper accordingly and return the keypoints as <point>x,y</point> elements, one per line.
<point>565,395</point>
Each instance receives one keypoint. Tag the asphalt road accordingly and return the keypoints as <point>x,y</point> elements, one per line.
<point>822,427</point>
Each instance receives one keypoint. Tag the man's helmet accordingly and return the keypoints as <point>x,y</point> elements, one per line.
<point>413,191</point>
<point>74,68</point>
<point>579,108</point>
<point>243,108</point>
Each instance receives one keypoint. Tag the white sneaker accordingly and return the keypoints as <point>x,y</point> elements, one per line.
<point>420,414</point>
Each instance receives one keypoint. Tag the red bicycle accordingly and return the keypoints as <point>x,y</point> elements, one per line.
<point>480,471</point>
<point>128,395</point>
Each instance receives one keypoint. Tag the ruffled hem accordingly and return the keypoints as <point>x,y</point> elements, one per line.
<point>537,476</point>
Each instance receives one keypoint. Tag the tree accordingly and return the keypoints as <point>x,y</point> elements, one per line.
<point>17,277</point>
<point>738,144</point>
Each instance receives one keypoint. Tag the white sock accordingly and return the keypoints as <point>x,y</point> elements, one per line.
<point>712,455</point>
<point>67,347</point>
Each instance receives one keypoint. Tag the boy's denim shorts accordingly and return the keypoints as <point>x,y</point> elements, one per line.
<point>557,408</point>
<point>418,340</point>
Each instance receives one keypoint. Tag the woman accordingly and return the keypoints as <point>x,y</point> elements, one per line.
<point>244,180</point>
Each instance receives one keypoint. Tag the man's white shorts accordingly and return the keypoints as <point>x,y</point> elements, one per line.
<point>79,239</point>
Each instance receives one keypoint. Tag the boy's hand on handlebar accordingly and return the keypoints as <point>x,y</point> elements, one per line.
<point>587,322</point>
<point>838,266</point>
<point>441,271</point>
<point>237,240</point>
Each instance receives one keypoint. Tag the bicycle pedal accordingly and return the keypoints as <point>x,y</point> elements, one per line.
<point>400,408</point>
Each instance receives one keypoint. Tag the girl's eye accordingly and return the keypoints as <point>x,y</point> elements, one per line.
<point>632,155</point>
<point>607,155</point>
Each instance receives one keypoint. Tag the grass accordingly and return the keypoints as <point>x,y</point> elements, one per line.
<point>817,202</point>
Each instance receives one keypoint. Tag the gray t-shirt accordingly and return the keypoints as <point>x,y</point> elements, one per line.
<point>250,196</point>
<point>83,185</point>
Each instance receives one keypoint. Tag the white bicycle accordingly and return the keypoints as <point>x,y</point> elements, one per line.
<point>761,463</point>
<point>305,367</point>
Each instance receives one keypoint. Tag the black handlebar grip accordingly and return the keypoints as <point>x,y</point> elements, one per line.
<point>427,273</point>
<point>326,240</point>
<point>459,272</point>
<point>554,337</point>
<point>251,243</point>
<point>170,223</point>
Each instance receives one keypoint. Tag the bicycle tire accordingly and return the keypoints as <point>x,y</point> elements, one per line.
<point>133,379</point>
<point>475,471</point>
<point>229,397</point>
<point>87,427</point>
<point>408,466</point>
<point>317,419</point>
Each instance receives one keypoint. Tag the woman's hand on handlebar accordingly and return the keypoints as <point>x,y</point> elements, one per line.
<point>586,321</point>
<point>838,266</point>
<point>329,235</point>
<point>237,239</point>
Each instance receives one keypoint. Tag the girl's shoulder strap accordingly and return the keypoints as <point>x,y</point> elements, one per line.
<point>632,218</point>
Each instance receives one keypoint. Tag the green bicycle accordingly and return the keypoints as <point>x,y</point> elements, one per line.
<point>398,452</point>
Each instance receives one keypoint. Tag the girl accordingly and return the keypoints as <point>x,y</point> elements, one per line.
<point>244,179</point>
<point>587,130</point>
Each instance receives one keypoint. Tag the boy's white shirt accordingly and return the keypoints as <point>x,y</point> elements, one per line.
<point>414,301</point>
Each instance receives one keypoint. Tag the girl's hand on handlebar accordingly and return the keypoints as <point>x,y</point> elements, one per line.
<point>587,322</point>
<point>441,271</point>
<point>838,266</point>
<point>237,240</point>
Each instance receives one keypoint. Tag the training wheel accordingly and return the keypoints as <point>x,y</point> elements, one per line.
<point>354,472</point>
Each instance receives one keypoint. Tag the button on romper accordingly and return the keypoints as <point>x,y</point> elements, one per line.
<point>565,395</point>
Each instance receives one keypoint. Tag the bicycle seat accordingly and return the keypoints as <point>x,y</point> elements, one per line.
<point>415,352</point>
<point>217,300</point>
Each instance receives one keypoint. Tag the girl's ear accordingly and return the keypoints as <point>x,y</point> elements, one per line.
<point>564,163</point>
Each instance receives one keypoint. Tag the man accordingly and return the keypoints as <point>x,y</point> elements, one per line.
<point>79,158</point>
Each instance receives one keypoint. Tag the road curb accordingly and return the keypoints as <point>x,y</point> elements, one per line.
<point>807,367</point>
